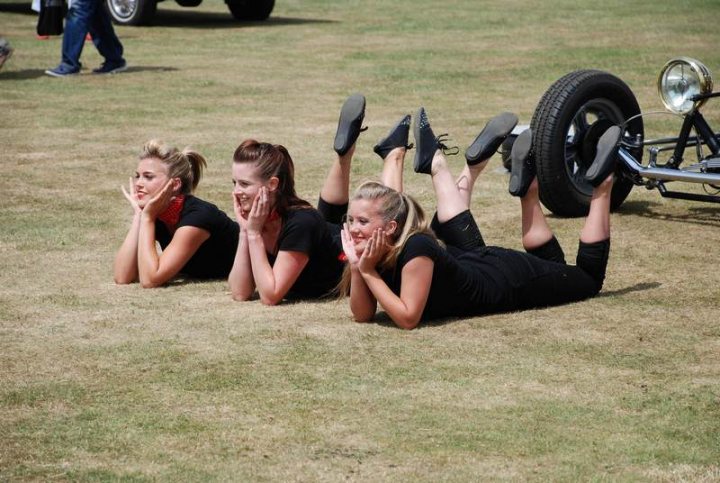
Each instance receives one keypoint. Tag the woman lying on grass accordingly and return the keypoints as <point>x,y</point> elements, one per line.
<point>197,239</point>
<point>394,259</point>
<point>287,249</point>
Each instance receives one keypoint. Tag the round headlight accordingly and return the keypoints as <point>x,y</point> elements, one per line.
<point>680,80</point>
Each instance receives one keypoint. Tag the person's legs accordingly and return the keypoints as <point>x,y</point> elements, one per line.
<point>535,229</point>
<point>77,24</point>
<point>466,181</point>
<point>335,193</point>
<point>450,202</point>
<point>392,172</point>
<point>104,37</point>
<point>597,223</point>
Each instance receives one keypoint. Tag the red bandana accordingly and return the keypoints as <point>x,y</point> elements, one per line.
<point>171,216</point>
<point>342,257</point>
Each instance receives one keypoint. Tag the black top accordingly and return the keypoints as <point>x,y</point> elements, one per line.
<point>304,230</point>
<point>472,282</point>
<point>215,257</point>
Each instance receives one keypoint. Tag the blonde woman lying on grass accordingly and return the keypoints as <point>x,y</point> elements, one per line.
<point>197,239</point>
<point>397,261</point>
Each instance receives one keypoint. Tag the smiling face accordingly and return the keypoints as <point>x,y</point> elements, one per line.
<point>247,183</point>
<point>150,177</point>
<point>363,218</point>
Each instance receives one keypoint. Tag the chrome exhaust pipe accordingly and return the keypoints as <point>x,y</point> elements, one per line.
<point>665,174</point>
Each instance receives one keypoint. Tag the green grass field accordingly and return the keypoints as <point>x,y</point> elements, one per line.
<point>105,382</point>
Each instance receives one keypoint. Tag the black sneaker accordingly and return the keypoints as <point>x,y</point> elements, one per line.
<point>396,138</point>
<point>426,143</point>
<point>111,68</point>
<point>605,157</point>
<point>490,138</point>
<point>350,123</point>
<point>522,170</point>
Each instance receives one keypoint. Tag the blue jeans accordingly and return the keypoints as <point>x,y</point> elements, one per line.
<point>89,16</point>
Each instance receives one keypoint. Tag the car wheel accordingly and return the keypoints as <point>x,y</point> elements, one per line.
<point>568,121</point>
<point>250,9</point>
<point>131,12</point>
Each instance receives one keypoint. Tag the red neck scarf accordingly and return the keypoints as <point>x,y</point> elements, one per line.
<point>171,216</point>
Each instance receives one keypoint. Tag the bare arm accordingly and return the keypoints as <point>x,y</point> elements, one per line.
<point>274,282</point>
<point>363,304</point>
<point>125,268</point>
<point>405,310</point>
<point>154,269</point>
<point>242,284</point>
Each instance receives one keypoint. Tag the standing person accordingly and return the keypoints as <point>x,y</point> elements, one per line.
<point>396,261</point>
<point>197,238</point>
<point>89,16</point>
<point>6,51</point>
<point>287,249</point>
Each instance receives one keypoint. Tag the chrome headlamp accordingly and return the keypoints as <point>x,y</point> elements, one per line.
<point>680,80</point>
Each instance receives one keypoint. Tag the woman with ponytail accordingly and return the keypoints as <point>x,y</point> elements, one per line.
<point>287,249</point>
<point>197,239</point>
<point>394,260</point>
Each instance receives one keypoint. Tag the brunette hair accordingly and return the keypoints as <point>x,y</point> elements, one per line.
<point>394,206</point>
<point>273,160</point>
<point>188,164</point>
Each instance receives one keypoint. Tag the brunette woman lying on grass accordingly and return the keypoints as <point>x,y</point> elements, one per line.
<point>287,249</point>
<point>397,261</point>
<point>197,239</point>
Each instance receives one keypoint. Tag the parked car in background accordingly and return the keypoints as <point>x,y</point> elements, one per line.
<point>140,12</point>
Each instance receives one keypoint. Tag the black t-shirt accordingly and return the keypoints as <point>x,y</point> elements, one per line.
<point>463,282</point>
<point>304,230</point>
<point>215,257</point>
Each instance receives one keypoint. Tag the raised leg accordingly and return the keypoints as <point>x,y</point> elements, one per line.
<point>597,223</point>
<point>336,189</point>
<point>450,202</point>
<point>535,229</point>
<point>392,172</point>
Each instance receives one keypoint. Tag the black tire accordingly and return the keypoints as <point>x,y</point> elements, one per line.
<point>568,121</point>
<point>253,10</point>
<point>132,12</point>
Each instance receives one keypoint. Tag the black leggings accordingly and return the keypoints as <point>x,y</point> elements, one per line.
<point>539,278</point>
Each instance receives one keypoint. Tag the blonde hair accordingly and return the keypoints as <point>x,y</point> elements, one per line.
<point>188,164</point>
<point>394,206</point>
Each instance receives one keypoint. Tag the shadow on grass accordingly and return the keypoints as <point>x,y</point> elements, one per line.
<point>704,214</point>
<point>638,287</point>
<point>189,18</point>
<point>36,73</point>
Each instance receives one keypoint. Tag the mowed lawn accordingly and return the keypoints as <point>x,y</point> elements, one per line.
<point>106,382</point>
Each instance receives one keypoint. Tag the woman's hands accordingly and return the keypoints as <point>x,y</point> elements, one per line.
<point>159,203</point>
<point>259,213</point>
<point>375,248</point>
<point>131,196</point>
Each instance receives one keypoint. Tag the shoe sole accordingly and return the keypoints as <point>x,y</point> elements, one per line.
<point>55,74</point>
<point>605,158</point>
<point>490,138</point>
<point>352,110</point>
<point>520,178</point>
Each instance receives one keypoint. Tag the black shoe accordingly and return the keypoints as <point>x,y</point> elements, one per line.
<point>426,143</point>
<point>396,138</point>
<point>522,170</point>
<point>605,157</point>
<point>490,138</point>
<point>349,124</point>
